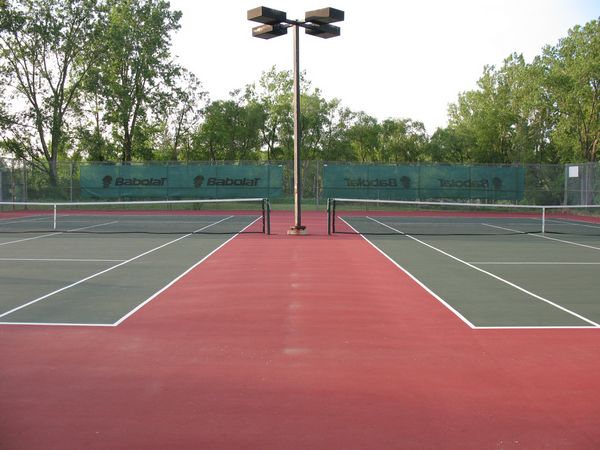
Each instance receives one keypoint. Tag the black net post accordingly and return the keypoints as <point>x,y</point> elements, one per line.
<point>330,216</point>
<point>266,213</point>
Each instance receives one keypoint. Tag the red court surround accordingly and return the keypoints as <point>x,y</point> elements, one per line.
<point>297,342</point>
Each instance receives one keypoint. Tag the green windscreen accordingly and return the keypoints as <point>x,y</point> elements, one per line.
<point>414,182</point>
<point>101,181</point>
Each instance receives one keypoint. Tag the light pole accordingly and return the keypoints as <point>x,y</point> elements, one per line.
<point>316,23</point>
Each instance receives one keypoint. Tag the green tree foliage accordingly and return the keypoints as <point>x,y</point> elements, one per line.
<point>546,111</point>
<point>573,83</point>
<point>364,138</point>
<point>135,77</point>
<point>402,141</point>
<point>230,131</point>
<point>46,51</point>
<point>183,117</point>
<point>448,146</point>
<point>95,80</point>
<point>274,95</point>
<point>485,115</point>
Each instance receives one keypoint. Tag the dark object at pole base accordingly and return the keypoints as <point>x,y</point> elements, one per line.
<point>297,230</point>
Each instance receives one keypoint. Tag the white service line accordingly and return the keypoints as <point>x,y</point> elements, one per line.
<point>27,239</point>
<point>538,297</point>
<point>109,269</point>
<point>542,236</point>
<point>574,224</point>
<point>57,233</point>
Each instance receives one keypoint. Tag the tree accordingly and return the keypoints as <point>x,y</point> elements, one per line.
<point>135,76</point>
<point>573,82</point>
<point>486,117</point>
<point>447,146</point>
<point>46,51</point>
<point>274,95</point>
<point>335,141</point>
<point>402,140</point>
<point>364,137</point>
<point>183,118</point>
<point>230,130</point>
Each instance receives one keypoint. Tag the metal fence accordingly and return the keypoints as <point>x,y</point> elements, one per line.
<point>543,184</point>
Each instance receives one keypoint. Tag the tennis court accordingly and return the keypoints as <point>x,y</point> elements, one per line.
<point>242,339</point>
<point>116,256</point>
<point>492,267</point>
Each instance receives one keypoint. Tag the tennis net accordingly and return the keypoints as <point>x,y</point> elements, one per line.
<point>222,216</point>
<point>445,218</point>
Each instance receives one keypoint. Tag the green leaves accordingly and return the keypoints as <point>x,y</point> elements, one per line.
<point>546,111</point>
<point>42,67</point>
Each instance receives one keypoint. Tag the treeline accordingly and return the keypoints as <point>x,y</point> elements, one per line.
<point>96,80</point>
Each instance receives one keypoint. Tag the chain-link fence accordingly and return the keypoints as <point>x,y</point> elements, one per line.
<point>541,184</point>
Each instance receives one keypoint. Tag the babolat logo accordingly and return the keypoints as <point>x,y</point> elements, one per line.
<point>232,181</point>
<point>376,182</point>
<point>121,181</point>
<point>483,183</point>
<point>198,181</point>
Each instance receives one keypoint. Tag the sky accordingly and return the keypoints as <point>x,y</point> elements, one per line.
<point>393,59</point>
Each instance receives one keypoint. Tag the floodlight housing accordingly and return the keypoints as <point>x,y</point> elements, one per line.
<point>266,15</point>
<point>324,15</point>
<point>323,31</point>
<point>269,31</point>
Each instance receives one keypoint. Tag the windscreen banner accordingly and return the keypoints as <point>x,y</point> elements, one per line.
<point>157,181</point>
<point>423,182</point>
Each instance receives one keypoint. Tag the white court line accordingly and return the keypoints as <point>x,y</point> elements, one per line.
<point>542,236</point>
<point>57,324</point>
<point>496,277</point>
<point>60,260</point>
<point>576,224</point>
<point>29,219</point>
<point>27,239</point>
<point>57,233</point>
<point>43,297</point>
<point>167,286</point>
<point>535,263</point>
<point>415,279</point>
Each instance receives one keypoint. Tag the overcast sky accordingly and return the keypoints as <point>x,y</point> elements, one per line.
<point>396,59</point>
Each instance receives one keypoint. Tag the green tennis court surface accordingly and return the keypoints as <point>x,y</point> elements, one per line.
<point>509,281</point>
<point>492,268</point>
<point>98,266</point>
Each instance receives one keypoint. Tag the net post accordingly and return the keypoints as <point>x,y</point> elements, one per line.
<point>328,216</point>
<point>333,215</point>
<point>543,220</point>
<point>266,216</point>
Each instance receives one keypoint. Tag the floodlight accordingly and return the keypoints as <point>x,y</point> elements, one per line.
<point>324,15</point>
<point>323,31</point>
<point>266,15</point>
<point>269,31</point>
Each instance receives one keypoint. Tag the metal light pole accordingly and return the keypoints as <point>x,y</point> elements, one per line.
<point>316,23</point>
<point>298,227</point>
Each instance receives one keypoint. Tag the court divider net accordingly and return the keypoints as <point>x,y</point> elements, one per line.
<point>218,216</point>
<point>390,217</point>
